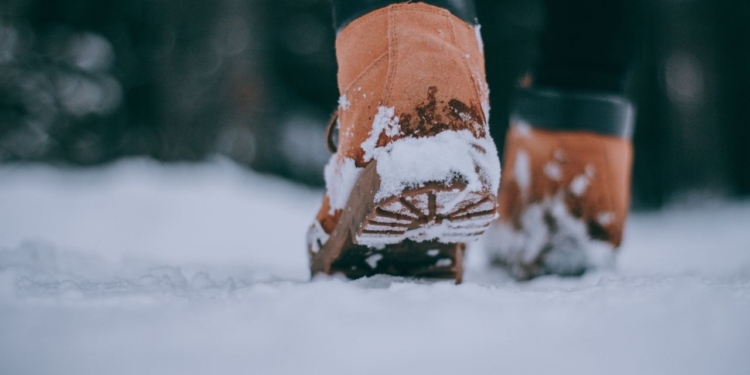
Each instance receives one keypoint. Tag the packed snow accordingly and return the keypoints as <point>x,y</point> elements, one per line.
<point>410,162</point>
<point>143,268</point>
<point>443,157</point>
<point>341,176</point>
<point>573,250</point>
<point>478,35</point>
<point>344,102</point>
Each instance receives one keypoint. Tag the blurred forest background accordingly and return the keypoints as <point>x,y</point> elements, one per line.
<point>85,82</point>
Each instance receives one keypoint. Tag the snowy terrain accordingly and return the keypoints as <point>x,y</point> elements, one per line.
<point>140,268</point>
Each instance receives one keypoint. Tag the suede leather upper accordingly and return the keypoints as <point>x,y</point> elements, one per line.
<point>407,56</point>
<point>554,160</point>
<point>421,61</point>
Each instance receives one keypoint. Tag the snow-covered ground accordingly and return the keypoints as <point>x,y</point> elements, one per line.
<point>140,268</point>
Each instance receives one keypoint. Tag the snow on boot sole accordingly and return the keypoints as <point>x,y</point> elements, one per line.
<point>419,232</point>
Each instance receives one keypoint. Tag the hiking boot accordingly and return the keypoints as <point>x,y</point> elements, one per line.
<point>415,174</point>
<point>565,188</point>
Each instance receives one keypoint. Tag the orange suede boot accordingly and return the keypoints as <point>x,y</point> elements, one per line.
<point>565,187</point>
<point>416,173</point>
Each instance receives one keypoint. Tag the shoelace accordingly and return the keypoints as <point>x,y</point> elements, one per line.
<point>330,144</point>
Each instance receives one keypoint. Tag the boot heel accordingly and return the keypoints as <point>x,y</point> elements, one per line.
<point>420,232</point>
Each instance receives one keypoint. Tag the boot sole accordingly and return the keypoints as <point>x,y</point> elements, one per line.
<point>421,232</point>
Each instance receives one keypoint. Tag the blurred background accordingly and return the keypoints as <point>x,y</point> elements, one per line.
<point>86,82</point>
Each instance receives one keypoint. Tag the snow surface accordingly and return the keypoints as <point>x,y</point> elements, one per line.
<point>140,268</point>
